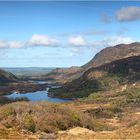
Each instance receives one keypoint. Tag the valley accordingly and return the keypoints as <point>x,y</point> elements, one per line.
<point>104,100</point>
<point>69,70</point>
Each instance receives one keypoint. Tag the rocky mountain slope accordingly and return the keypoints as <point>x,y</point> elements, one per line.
<point>114,53</point>
<point>100,78</point>
<point>6,77</point>
<point>63,75</point>
<point>105,56</point>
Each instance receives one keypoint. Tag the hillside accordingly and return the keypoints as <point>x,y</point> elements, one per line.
<point>113,114</point>
<point>114,53</point>
<point>102,78</point>
<point>6,77</point>
<point>63,75</point>
<point>109,109</point>
<point>29,72</point>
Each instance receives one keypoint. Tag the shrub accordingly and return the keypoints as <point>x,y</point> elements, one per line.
<point>133,123</point>
<point>61,125</point>
<point>115,109</point>
<point>44,116</point>
<point>21,99</point>
<point>76,119</point>
<point>6,111</point>
<point>95,95</point>
<point>29,123</point>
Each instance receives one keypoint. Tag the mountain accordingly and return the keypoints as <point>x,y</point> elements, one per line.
<point>63,75</point>
<point>105,56</point>
<point>6,77</point>
<point>29,71</point>
<point>114,53</point>
<point>102,78</point>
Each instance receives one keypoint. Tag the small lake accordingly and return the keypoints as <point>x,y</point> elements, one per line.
<point>37,96</point>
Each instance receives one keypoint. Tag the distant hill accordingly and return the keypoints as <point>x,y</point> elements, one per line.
<point>113,53</point>
<point>63,75</point>
<point>105,56</point>
<point>104,77</point>
<point>6,77</point>
<point>29,70</point>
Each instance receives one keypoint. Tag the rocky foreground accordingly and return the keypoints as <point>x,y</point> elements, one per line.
<point>76,133</point>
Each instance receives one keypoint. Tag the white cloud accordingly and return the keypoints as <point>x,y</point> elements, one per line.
<point>3,43</point>
<point>17,44</point>
<point>78,44</point>
<point>113,40</point>
<point>77,41</point>
<point>42,40</point>
<point>11,44</point>
<point>130,13</point>
<point>100,44</point>
<point>35,40</point>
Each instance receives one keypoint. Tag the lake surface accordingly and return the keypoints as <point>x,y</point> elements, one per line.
<point>37,96</point>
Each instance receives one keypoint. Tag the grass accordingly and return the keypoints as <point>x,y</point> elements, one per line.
<point>131,97</point>
<point>43,116</point>
<point>133,123</point>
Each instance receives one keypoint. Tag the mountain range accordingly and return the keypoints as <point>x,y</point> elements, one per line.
<point>110,68</point>
<point>109,54</point>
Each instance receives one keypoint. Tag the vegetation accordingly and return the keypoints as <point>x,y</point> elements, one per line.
<point>104,83</point>
<point>43,116</point>
<point>107,99</point>
<point>102,78</point>
<point>29,123</point>
<point>5,100</point>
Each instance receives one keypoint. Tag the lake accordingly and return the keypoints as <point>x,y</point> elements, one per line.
<point>36,96</point>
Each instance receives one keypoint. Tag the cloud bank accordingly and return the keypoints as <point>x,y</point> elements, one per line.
<point>35,40</point>
<point>42,40</point>
<point>130,13</point>
<point>113,40</point>
<point>77,41</point>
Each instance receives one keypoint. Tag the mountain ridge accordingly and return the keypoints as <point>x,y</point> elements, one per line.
<point>113,53</point>
<point>106,55</point>
<point>103,77</point>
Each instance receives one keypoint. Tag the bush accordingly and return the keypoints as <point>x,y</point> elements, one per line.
<point>21,99</point>
<point>61,125</point>
<point>115,109</point>
<point>44,116</point>
<point>29,123</point>
<point>6,111</point>
<point>133,123</point>
<point>95,95</point>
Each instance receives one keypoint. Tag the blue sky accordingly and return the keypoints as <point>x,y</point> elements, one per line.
<point>63,34</point>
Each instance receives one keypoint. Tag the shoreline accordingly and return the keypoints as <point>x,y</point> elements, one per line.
<point>22,87</point>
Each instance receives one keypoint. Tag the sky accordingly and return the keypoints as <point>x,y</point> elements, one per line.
<point>63,34</point>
